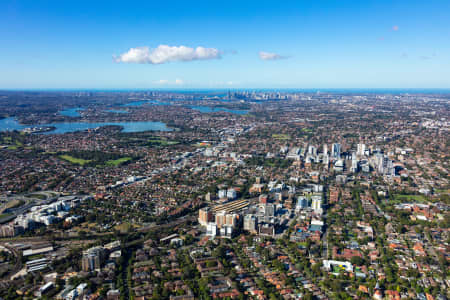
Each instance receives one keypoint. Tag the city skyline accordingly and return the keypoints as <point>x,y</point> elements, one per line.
<point>346,44</point>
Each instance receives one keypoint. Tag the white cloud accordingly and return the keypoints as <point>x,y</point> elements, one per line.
<point>164,54</point>
<point>270,56</point>
<point>162,81</point>
<point>426,57</point>
<point>169,82</point>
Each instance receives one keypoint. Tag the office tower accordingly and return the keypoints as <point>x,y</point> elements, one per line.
<point>302,203</point>
<point>336,151</point>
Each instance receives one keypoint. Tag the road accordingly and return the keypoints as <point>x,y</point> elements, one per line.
<point>18,265</point>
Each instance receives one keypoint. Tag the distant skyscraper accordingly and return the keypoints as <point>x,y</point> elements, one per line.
<point>361,148</point>
<point>354,167</point>
<point>336,151</point>
<point>312,150</point>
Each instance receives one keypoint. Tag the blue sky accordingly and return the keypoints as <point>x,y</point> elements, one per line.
<point>305,44</point>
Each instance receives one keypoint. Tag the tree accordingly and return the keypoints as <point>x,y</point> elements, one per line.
<point>356,260</point>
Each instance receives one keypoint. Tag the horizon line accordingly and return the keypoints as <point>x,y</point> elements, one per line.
<point>180,89</point>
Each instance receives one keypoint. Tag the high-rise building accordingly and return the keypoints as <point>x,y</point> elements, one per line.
<point>316,203</point>
<point>208,197</point>
<point>263,198</point>
<point>302,203</point>
<point>227,231</point>
<point>312,150</point>
<point>222,194</point>
<point>205,215</point>
<point>361,149</point>
<point>354,167</point>
<point>339,165</point>
<point>250,223</point>
<point>269,210</point>
<point>211,229</point>
<point>231,194</point>
<point>336,151</point>
<point>222,219</point>
<point>92,259</point>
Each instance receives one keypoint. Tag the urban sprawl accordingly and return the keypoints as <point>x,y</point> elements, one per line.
<point>232,195</point>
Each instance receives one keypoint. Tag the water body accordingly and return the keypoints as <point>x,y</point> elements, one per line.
<point>117,111</point>
<point>71,112</point>
<point>142,102</point>
<point>10,124</point>
<point>135,103</point>
<point>209,109</point>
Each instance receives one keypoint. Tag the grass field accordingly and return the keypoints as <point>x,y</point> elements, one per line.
<point>440,191</point>
<point>117,162</point>
<point>13,204</point>
<point>39,196</point>
<point>124,227</point>
<point>281,136</point>
<point>161,142</point>
<point>4,216</point>
<point>403,198</point>
<point>74,160</point>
